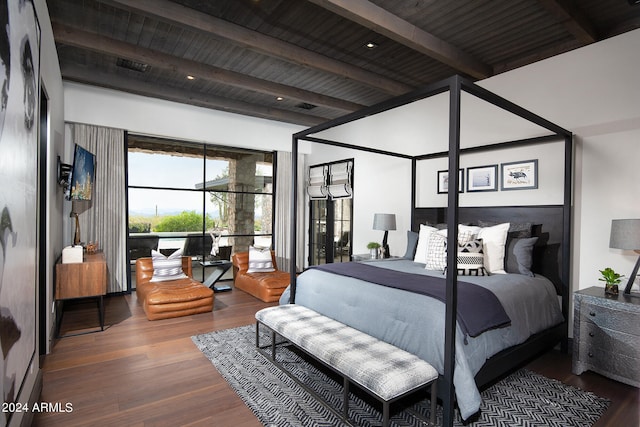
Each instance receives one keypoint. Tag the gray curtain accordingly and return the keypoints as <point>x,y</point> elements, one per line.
<point>283,212</point>
<point>102,219</point>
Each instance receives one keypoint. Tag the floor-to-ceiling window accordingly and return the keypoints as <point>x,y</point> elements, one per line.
<point>196,197</point>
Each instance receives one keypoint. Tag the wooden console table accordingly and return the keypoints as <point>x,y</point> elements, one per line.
<point>82,280</point>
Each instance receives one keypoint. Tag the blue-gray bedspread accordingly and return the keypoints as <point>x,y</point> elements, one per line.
<point>416,323</point>
<point>478,308</point>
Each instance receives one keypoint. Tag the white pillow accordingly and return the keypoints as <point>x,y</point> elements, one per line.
<point>167,268</point>
<point>437,251</point>
<point>423,241</point>
<point>493,244</point>
<point>260,260</point>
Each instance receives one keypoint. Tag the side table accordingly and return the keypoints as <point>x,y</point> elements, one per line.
<point>606,338</point>
<point>85,279</point>
<point>220,267</point>
<point>367,257</point>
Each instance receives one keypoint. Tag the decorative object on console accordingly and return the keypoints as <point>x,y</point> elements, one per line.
<point>611,279</point>
<point>385,222</point>
<point>374,248</point>
<point>76,234</point>
<point>625,234</point>
<point>521,175</point>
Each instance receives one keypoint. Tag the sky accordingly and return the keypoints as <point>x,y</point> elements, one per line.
<point>155,170</point>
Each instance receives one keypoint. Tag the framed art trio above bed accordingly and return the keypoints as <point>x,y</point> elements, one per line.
<point>473,313</point>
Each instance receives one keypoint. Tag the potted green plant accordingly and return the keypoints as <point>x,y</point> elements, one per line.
<point>611,279</point>
<point>373,247</point>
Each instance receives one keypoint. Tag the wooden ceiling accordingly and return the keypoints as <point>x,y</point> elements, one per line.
<point>306,61</point>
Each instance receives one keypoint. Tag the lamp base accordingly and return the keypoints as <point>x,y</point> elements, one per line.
<point>632,278</point>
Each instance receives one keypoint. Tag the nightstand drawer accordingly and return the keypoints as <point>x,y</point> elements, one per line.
<point>609,318</point>
<point>594,337</point>
<point>611,364</point>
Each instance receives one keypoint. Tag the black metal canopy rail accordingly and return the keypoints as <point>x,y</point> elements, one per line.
<point>454,85</point>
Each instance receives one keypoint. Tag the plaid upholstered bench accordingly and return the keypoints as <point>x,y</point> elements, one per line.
<point>383,370</point>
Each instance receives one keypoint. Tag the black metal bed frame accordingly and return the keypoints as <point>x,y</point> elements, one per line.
<point>455,85</point>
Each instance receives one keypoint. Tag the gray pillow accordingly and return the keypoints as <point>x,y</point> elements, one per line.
<point>516,229</point>
<point>412,244</point>
<point>519,256</point>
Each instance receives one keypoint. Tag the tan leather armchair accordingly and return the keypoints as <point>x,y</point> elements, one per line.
<point>266,286</point>
<point>173,298</point>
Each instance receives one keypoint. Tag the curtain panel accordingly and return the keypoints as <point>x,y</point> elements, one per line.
<point>102,219</point>
<point>282,230</point>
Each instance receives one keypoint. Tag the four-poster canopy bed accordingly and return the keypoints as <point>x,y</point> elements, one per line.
<point>467,359</point>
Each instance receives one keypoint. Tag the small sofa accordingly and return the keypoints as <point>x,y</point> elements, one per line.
<point>266,286</point>
<point>172,298</point>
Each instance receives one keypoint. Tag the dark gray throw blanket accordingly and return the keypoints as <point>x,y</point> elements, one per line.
<point>478,308</point>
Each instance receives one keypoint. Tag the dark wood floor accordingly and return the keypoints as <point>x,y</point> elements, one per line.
<point>143,373</point>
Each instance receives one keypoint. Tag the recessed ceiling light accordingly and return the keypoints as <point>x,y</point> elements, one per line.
<point>190,77</point>
<point>279,98</point>
<point>371,45</point>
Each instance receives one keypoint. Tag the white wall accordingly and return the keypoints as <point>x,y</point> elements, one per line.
<point>593,92</point>
<point>150,116</point>
<point>550,158</point>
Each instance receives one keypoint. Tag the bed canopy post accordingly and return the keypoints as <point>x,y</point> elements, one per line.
<point>452,242</point>
<point>294,218</point>
<point>566,236</point>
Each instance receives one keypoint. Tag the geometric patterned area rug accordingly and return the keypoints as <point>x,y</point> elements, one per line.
<point>521,399</point>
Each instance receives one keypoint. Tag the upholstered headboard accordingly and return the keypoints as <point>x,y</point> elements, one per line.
<point>547,225</point>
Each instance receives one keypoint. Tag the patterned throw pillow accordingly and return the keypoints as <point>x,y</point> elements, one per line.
<point>437,252</point>
<point>471,259</point>
<point>260,260</point>
<point>167,268</point>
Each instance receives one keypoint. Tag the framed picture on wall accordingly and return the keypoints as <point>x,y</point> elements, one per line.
<point>520,175</point>
<point>443,182</point>
<point>482,178</point>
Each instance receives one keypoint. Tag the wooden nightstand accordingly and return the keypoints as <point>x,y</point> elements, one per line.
<point>82,280</point>
<point>606,335</point>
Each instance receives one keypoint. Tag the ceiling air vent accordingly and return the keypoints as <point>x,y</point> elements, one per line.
<point>306,106</point>
<point>132,65</point>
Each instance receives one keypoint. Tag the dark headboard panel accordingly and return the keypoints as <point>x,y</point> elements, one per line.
<point>548,226</point>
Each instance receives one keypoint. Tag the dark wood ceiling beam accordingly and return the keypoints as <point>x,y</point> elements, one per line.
<point>271,46</point>
<point>97,77</point>
<point>73,37</point>
<point>378,19</point>
<point>572,19</point>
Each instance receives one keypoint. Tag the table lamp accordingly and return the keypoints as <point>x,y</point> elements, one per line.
<point>625,234</point>
<point>384,222</point>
